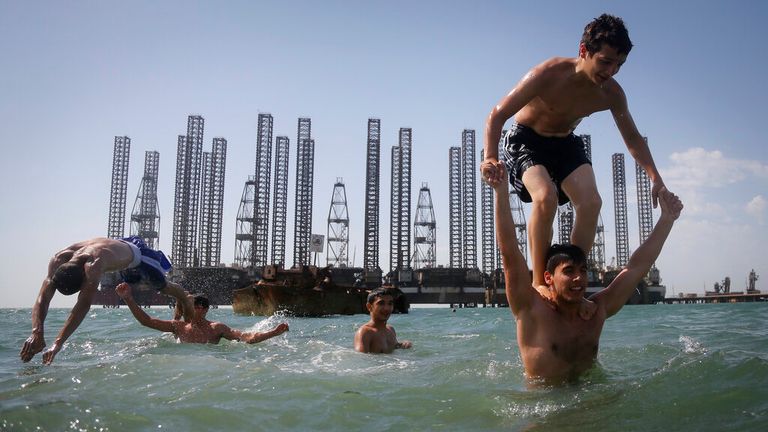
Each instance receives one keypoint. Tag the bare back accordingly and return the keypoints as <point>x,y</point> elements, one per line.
<point>564,98</point>
<point>113,255</point>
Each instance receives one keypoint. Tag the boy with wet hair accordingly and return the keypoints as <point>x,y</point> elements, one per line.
<point>198,329</point>
<point>79,268</point>
<point>545,160</point>
<point>376,336</point>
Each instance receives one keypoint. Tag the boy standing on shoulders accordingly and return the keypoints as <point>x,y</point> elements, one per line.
<point>546,162</point>
<point>376,336</point>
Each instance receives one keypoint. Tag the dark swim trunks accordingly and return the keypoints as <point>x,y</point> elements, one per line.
<point>524,148</point>
<point>148,267</point>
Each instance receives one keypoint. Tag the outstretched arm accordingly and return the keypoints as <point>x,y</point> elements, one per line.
<point>636,144</point>
<point>618,292</point>
<point>253,337</point>
<point>517,278</point>
<point>124,291</point>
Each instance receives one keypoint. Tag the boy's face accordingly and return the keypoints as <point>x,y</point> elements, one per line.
<point>602,65</point>
<point>569,281</point>
<point>381,307</point>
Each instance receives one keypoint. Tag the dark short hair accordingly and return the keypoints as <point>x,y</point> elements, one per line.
<point>379,292</point>
<point>609,30</point>
<point>201,300</point>
<point>560,253</point>
<point>69,277</point>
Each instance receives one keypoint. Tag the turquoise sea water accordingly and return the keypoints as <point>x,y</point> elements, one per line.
<point>662,368</point>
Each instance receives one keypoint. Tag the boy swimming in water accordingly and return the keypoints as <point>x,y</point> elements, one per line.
<point>376,336</point>
<point>198,329</point>
<point>79,268</point>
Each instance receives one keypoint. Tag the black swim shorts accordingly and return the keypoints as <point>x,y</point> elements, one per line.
<point>524,148</point>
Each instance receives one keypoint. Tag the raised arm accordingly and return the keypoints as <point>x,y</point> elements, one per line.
<point>618,292</point>
<point>525,90</point>
<point>517,278</point>
<point>634,141</point>
<point>252,337</point>
<point>124,291</point>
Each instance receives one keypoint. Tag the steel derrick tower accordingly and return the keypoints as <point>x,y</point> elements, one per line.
<point>119,190</point>
<point>262,175</point>
<point>424,230</point>
<point>644,201</point>
<point>212,199</point>
<point>620,210</point>
<point>454,206</point>
<point>187,193</point>
<point>305,160</point>
<point>488,234</point>
<point>400,216</point>
<point>145,216</point>
<point>338,227</point>
<point>244,225</point>
<point>372,172</point>
<point>468,189</point>
<point>280,208</point>
<point>596,256</point>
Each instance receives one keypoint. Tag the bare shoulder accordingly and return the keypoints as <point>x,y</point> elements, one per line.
<point>556,66</point>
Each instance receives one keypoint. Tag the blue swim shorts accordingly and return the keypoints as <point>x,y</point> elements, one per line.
<point>148,266</point>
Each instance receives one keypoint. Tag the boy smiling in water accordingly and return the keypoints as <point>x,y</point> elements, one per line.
<point>376,336</point>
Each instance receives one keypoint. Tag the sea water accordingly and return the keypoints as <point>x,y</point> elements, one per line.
<point>661,368</point>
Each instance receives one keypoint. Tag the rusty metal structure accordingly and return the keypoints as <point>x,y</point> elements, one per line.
<point>337,246</point>
<point>280,207</point>
<point>305,161</point>
<point>187,193</point>
<point>145,216</point>
<point>212,203</point>
<point>372,194</point>
<point>620,210</point>
<point>119,190</point>
<point>424,231</point>
<point>400,216</point>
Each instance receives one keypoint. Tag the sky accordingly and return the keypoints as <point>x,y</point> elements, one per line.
<point>74,75</point>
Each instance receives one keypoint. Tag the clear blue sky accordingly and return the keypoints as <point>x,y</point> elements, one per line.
<point>76,74</point>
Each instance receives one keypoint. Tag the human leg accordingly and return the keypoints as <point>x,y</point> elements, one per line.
<point>581,188</point>
<point>543,208</point>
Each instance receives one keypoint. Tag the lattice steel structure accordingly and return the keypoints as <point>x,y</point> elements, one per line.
<point>596,257</point>
<point>186,201</point>
<point>424,231</point>
<point>454,207</point>
<point>487,232</point>
<point>280,208</point>
<point>119,190</point>
<point>305,160</point>
<point>620,210</point>
<point>372,172</point>
<point>212,199</point>
<point>145,216</point>
<point>564,223</point>
<point>244,238</point>
<point>469,198</point>
<point>644,201</point>
<point>263,175</point>
<point>400,220</point>
<point>338,227</point>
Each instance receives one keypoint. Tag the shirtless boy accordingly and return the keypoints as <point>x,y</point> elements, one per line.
<point>79,268</point>
<point>558,339</point>
<point>546,162</point>
<point>376,336</point>
<point>199,329</point>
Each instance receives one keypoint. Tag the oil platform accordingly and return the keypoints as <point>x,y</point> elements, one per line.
<point>260,255</point>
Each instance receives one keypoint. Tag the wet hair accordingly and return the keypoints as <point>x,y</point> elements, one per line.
<point>609,30</point>
<point>560,253</point>
<point>69,277</point>
<point>379,292</point>
<point>201,300</point>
